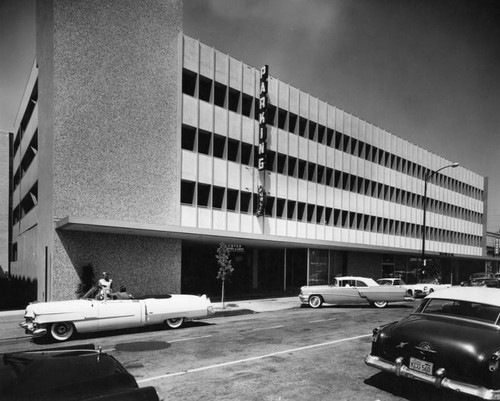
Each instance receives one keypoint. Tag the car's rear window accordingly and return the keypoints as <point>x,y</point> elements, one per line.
<point>464,309</point>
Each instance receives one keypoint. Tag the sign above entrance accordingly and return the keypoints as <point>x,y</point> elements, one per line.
<point>235,248</point>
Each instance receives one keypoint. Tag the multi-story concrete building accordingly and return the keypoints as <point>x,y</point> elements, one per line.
<point>5,204</point>
<point>138,149</point>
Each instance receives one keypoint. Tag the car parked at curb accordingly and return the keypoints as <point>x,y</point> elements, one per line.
<point>391,281</point>
<point>77,373</point>
<point>349,290</point>
<point>101,310</point>
<point>425,287</point>
<point>481,279</point>
<point>452,340</point>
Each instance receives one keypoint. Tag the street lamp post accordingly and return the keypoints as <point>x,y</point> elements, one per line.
<point>427,178</point>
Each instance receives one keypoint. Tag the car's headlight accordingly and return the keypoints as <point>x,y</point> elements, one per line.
<point>425,288</point>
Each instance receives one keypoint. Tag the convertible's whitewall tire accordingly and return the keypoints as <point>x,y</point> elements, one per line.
<point>175,323</point>
<point>315,301</point>
<point>62,331</point>
<point>380,304</point>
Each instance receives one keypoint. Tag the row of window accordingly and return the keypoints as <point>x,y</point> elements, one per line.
<point>241,152</point>
<point>29,201</point>
<point>28,157</point>
<point>26,117</point>
<point>207,196</point>
<point>214,92</point>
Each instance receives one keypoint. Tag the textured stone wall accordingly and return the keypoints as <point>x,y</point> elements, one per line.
<point>115,75</point>
<point>144,265</point>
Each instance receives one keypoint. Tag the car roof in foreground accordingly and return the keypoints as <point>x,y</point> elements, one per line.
<point>483,295</point>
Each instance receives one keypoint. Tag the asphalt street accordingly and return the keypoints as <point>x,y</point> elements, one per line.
<point>282,352</point>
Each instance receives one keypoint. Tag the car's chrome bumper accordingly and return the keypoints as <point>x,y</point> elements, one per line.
<point>439,379</point>
<point>31,328</point>
<point>304,299</point>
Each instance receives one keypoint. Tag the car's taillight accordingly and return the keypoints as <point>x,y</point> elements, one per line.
<point>375,334</point>
<point>493,362</point>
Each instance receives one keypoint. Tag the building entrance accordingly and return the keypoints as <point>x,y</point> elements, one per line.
<point>257,271</point>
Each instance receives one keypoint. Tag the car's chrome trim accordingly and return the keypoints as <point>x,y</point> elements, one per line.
<point>440,381</point>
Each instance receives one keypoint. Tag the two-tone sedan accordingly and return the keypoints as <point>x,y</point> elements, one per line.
<point>452,341</point>
<point>352,290</point>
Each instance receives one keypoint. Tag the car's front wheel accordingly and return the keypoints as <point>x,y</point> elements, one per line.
<point>62,331</point>
<point>175,323</point>
<point>380,304</point>
<point>315,301</point>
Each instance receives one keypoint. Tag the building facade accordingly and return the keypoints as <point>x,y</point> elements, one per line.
<point>5,201</point>
<point>139,149</point>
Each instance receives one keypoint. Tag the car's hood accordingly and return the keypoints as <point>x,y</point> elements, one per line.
<point>57,306</point>
<point>458,345</point>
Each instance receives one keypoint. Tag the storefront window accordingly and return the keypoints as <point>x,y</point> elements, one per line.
<point>318,267</point>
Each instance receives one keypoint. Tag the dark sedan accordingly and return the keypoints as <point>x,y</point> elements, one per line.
<point>452,341</point>
<point>68,374</point>
<point>481,280</point>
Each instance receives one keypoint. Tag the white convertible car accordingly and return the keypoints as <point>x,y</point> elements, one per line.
<point>99,311</point>
<point>352,290</point>
<point>425,287</point>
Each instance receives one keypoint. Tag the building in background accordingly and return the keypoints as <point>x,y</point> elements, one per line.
<point>493,251</point>
<point>137,150</point>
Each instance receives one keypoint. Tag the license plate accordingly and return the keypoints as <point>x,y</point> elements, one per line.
<point>421,366</point>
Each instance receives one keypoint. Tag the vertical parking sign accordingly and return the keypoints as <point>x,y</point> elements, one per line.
<point>264,73</point>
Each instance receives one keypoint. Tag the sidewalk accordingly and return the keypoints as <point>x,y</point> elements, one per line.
<point>255,306</point>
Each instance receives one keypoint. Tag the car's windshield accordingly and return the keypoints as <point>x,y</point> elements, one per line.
<point>458,308</point>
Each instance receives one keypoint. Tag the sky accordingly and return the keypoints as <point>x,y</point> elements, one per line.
<point>424,70</point>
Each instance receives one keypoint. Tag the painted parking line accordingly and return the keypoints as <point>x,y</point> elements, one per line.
<point>189,339</point>
<point>266,328</point>
<point>255,358</point>
<point>322,320</point>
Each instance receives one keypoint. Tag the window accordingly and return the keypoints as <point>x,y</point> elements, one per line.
<point>232,199</point>
<point>234,100</point>
<point>290,209</point>
<point>188,82</point>
<point>220,95</point>
<point>292,122</point>
<point>282,114</point>
<point>219,146</point>
<point>203,194</point>
<point>204,139</point>
<point>205,88</point>
<point>246,154</point>
<point>245,202</point>
<point>188,137</point>
<point>217,197</point>
<point>280,207</point>
<point>233,147</point>
<point>246,105</point>
<point>187,192</point>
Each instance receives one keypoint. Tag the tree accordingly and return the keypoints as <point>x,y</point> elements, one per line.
<point>225,268</point>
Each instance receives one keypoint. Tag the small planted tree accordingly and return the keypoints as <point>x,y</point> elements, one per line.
<point>225,268</point>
